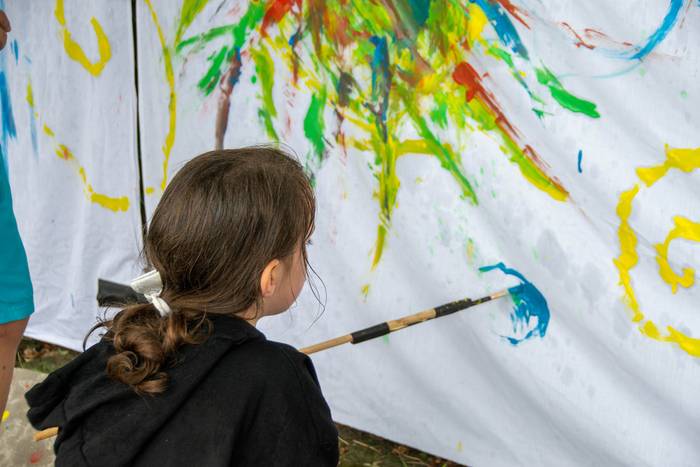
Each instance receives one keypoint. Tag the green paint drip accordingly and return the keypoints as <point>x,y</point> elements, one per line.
<point>208,82</point>
<point>564,97</point>
<point>190,10</point>
<point>265,69</point>
<point>314,123</point>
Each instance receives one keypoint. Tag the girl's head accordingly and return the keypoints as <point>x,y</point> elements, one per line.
<point>230,231</point>
<point>227,237</point>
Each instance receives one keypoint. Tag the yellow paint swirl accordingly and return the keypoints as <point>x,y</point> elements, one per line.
<point>685,160</point>
<point>76,52</point>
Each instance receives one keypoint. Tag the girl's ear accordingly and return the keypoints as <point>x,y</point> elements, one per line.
<point>269,278</point>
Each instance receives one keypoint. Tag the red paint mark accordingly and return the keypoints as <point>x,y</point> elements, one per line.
<point>35,457</point>
<point>580,42</point>
<point>467,76</point>
<point>65,152</point>
<point>513,10</point>
<point>276,11</point>
<point>592,34</point>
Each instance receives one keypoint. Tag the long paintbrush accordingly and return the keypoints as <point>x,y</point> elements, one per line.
<point>397,324</point>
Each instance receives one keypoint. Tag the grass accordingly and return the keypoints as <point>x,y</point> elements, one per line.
<point>357,448</point>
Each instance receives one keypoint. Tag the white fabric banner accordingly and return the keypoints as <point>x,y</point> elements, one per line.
<point>72,162</point>
<point>457,148</point>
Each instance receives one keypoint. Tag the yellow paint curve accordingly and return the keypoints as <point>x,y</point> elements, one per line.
<point>115,204</point>
<point>172,100</point>
<point>686,229</point>
<point>685,160</point>
<point>76,52</point>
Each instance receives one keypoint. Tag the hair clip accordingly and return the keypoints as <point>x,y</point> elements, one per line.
<point>151,285</point>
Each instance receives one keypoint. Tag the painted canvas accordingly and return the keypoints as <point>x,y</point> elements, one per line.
<point>460,148</point>
<point>69,146</point>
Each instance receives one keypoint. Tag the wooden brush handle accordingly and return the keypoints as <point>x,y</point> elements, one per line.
<point>46,434</point>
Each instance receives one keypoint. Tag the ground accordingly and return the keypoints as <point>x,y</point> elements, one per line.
<point>357,448</point>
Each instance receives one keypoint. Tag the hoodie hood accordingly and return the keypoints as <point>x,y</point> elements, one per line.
<point>80,398</point>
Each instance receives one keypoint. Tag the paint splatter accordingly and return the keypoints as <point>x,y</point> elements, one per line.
<point>75,51</point>
<point>529,305</point>
<point>685,160</point>
<point>580,159</point>
<point>5,415</point>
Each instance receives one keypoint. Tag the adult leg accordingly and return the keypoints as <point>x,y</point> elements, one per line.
<point>10,336</point>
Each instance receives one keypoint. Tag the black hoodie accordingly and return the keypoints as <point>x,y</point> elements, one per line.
<point>236,399</point>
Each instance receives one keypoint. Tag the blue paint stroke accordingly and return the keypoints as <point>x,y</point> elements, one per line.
<point>32,131</point>
<point>580,158</point>
<point>381,81</point>
<point>503,25</point>
<point>528,303</point>
<point>661,33</point>
<point>15,50</point>
<point>8,120</point>
<point>296,37</point>
<point>420,10</point>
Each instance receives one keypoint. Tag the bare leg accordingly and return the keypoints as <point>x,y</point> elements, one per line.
<point>10,336</point>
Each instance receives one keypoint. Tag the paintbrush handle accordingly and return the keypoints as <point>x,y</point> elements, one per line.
<point>396,324</point>
<point>46,434</point>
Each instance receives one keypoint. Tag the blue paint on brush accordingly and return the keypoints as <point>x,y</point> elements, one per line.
<point>580,158</point>
<point>503,25</point>
<point>661,33</point>
<point>529,303</point>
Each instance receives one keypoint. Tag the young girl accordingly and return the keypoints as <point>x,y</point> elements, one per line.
<point>187,380</point>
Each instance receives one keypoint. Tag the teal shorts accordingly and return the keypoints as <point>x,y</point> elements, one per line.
<point>16,293</point>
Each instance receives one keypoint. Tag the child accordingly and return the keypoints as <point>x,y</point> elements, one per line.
<point>187,380</point>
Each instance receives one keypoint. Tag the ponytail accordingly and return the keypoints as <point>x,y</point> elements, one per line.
<point>145,343</point>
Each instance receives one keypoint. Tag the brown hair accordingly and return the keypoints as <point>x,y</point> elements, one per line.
<point>224,216</point>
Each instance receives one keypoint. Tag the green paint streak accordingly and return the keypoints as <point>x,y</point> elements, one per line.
<point>500,54</point>
<point>239,32</point>
<point>439,114</point>
<point>564,97</point>
<point>189,11</point>
<point>265,69</point>
<point>448,159</point>
<point>208,82</point>
<point>314,126</point>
